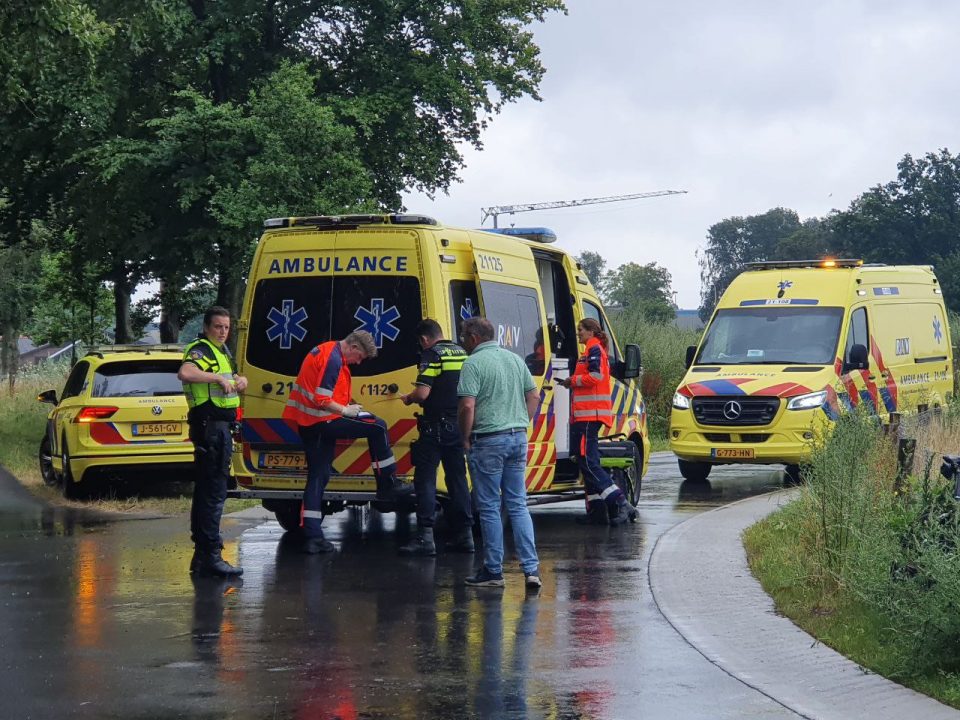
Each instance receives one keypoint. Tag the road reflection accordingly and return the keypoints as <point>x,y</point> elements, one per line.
<point>105,621</point>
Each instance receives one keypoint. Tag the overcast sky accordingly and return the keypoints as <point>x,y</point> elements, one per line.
<point>746,105</point>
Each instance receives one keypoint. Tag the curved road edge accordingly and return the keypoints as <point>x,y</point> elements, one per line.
<point>701,583</point>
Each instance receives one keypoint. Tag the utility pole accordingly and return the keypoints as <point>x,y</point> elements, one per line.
<point>497,210</point>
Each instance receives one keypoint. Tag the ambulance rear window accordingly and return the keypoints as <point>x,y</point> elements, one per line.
<point>291,315</point>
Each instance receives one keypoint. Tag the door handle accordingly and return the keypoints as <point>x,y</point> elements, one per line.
<point>871,377</point>
<point>547,387</point>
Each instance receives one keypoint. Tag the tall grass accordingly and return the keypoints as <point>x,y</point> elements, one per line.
<point>663,349</point>
<point>877,550</point>
<point>23,418</point>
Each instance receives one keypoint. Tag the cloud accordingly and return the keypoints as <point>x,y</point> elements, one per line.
<point>747,106</point>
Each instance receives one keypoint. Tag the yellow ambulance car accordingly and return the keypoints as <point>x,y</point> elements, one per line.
<point>319,278</point>
<point>792,344</point>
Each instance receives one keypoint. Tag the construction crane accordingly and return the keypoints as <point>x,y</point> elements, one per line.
<point>510,209</point>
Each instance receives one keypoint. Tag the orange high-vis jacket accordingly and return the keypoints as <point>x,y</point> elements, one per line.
<point>323,377</point>
<point>590,384</point>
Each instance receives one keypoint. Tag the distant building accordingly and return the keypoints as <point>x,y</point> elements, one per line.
<point>31,354</point>
<point>688,320</point>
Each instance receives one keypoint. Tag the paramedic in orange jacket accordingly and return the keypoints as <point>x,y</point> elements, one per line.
<point>591,408</point>
<point>320,404</point>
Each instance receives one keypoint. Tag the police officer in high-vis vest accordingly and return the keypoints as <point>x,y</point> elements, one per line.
<point>320,404</point>
<point>212,388</point>
<point>439,442</point>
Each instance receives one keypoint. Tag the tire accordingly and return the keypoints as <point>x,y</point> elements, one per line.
<point>694,471</point>
<point>49,475</point>
<point>71,490</point>
<point>629,479</point>
<point>287,513</point>
<point>792,475</point>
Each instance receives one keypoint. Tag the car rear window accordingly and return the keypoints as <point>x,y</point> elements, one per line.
<point>137,377</point>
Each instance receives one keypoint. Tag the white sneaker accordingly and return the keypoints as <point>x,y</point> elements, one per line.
<point>533,582</point>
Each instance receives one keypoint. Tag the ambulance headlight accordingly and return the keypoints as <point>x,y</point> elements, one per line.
<point>681,402</point>
<point>808,401</point>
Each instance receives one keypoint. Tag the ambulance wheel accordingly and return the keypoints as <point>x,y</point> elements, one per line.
<point>287,513</point>
<point>628,479</point>
<point>694,471</point>
<point>49,475</point>
<point>71,490</point>
<point>792,475</point>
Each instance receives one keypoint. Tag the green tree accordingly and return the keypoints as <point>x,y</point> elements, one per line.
<point>738,240</point>
<point>646,288</point>
<point>914,219</point>
<point>301,107</point>
<point>595,268</point>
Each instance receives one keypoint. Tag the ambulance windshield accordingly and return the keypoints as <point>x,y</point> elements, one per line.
<point>772,336</point>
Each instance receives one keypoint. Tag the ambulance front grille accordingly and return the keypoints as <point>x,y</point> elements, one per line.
<point>732,411</point>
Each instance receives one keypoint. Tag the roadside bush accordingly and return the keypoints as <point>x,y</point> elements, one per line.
<point>663,348</point>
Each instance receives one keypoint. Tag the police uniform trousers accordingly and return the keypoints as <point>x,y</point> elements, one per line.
<point>212,448</point>
<point>440,442</point>
<point>319,444</point>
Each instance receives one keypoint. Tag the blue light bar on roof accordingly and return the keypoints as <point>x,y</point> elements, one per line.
<point>535,234</point>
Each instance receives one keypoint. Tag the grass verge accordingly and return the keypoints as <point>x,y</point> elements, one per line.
<point>22,422</point>
<point>866,559</point>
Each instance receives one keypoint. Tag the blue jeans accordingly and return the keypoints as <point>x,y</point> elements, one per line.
<point>498,467</point>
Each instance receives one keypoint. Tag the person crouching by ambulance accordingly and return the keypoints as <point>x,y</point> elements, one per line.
<point>212,391</point>
<point>320,404</point>
<point>590,385</point>
<point>439,441</point>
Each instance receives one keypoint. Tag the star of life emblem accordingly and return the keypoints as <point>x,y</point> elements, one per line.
<point>287,324</point>
<point>379,322</point>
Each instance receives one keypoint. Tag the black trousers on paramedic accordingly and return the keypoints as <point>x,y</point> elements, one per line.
<point>212,447</point>
<point>319,443</point>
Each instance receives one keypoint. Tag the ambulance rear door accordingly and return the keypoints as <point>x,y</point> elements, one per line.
<point>509,290</point>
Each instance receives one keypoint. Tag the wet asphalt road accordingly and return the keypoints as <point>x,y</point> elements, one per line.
<point>101,620</point>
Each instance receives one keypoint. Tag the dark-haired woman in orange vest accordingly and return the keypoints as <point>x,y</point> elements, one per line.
<point>591,408</point>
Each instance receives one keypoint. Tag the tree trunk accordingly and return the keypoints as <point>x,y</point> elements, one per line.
<point>10,354</point>
<point>122,332</point>
<point>170,319</point>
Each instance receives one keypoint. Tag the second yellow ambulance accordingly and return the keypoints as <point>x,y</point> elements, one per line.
<point>791,344</point>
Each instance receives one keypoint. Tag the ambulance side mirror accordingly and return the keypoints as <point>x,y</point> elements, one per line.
<point>48,396</point>
<point>631,361</point>
<point>691,354</point>
<point>857,359</point>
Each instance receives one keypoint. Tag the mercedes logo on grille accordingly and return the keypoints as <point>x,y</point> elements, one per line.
<point>157,410</point>
<point>732,410</point>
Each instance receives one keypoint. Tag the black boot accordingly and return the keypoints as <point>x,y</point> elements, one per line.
<point>596,514</point>
<point>212,564</point>
<point>422,544</point>
<point>624,512</point>
<point>316,545</point>
<point>195,562</point>
<point>391,489</point>
<point>462,542</point>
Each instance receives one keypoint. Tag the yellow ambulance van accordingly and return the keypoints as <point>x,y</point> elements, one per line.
<point>319,278</point>
<point>792,344</point>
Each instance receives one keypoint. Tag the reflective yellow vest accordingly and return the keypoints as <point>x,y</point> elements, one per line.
<point>199,393</point>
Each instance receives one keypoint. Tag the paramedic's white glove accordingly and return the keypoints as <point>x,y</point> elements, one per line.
<point>351,411</point>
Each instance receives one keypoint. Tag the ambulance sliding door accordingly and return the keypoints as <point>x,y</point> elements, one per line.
<point>510,298</point>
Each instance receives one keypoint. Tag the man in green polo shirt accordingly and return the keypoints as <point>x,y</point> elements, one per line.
<point>497,401</point>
